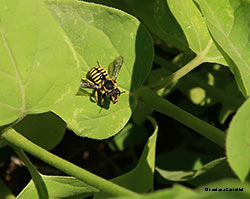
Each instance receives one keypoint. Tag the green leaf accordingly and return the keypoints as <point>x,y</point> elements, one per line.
<point>141,178</point>
<point>130,135</point>
<point>196,32</point>
<point>176,192</point>
<point>228,22</point>
<point>204,192</point>
<point>46,129</point>
<point>165,25</point>
<point>141,113</point>
<point>59,187</point>
<point>99,33</point>
<point>171,160</point>
<point>37,61</point>
<point>157,18</point>
<point>238,142</point>
<point>192,167</point>
<point>212,171</point>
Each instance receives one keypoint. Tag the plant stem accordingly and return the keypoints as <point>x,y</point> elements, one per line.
<point>194,80</point>
<point>36,177</point>
<point>162,105</point>
<point>179,73</point>
<point>14,138</point>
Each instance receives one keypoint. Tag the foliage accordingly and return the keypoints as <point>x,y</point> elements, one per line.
<point>187,60</point>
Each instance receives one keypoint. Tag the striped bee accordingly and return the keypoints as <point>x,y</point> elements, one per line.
<point>100,81</point>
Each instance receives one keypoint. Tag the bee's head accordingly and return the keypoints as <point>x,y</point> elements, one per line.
<point>114,95</point>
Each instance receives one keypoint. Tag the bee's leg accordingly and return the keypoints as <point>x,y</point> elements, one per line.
<point>86,83</point>
<point>103,96</point>
<point>102,100</point>
<point>96,95</point>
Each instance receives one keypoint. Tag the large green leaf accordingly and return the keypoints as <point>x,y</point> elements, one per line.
<point>228,22</point>
<point>156,16</point>
<point>196,32</point>
<point>37,60</point>
<point>141,178</point>
<point>238,142</point>
<point>230,189</point>
<point>99,33</point>
<point>130,135</point>
<point>212,171</point>
<point>46,129</point>
<point>59,187</point>
<point>164,25</point>
<point>176,192</point>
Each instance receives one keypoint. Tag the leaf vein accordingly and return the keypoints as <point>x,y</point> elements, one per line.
<point>18,76</point>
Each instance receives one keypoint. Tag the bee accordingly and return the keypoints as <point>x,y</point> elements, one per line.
<point>101,81</point>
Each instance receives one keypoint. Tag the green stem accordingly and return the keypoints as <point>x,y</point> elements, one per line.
<point>36,177</point>
<point>14,138</point>
<point>168,66</point>
<point>194,80</point>
<point>179,73</point>
<point>162,105</point>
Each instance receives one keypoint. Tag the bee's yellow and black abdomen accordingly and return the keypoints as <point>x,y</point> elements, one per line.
<point>98,74</point>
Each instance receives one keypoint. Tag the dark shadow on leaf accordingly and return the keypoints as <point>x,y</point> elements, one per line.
<point>143,63</point>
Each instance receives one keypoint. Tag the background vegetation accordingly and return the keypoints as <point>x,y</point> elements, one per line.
<point>180,129</point>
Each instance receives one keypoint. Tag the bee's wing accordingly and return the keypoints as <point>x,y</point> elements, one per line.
<point>115,67</point>
<point>88,84</point>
